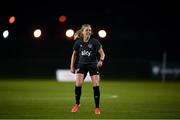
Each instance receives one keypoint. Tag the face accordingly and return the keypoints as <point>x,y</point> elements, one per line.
<point>87,32</point>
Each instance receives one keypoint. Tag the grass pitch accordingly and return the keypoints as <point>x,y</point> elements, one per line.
<point>49,99</point>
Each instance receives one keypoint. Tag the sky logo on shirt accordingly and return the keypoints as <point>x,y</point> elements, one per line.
<point>85,53</point>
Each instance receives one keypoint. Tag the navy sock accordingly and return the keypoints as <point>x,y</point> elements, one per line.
<point>77,94</point>
<point>96,96</point>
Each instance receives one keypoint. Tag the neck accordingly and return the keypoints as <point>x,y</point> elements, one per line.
<point>86,39</point>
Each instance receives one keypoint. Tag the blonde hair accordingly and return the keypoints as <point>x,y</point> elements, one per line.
<point>78,33</point>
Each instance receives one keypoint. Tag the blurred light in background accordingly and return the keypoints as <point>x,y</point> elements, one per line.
<point>5,34</point>
<point>102,33</point>
<point>37,33</point>
<point>62,18</point>
<point>69,33</point>
<point>11,19</point>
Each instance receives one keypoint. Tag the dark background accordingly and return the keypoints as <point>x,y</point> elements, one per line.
<point>138,33</point>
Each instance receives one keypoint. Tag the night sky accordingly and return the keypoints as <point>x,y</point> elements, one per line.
<point>135,30</point>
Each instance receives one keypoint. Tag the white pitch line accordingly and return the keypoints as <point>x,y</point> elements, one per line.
<point>114,96</point>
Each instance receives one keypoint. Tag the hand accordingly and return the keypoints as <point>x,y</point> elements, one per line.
<point>72,69</point>
<point>99,64</point>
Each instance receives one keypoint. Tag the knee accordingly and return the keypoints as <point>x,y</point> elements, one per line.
<point>95,80</point>
<point>79,82</point>
<point>95,83</point>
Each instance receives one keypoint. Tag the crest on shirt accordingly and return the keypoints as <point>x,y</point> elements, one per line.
<point>90,45</point>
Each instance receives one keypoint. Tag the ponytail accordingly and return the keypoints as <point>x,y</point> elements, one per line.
<point>78,34</point>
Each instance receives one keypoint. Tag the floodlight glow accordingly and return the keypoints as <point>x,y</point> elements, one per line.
<point>62,18</point>
<point>11,19</point>
<point>5,34</point>
<point>69,33</point>
<point>37,33</point>
<point>102,33</point>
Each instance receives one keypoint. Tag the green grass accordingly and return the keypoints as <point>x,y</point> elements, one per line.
<point>43,99</point>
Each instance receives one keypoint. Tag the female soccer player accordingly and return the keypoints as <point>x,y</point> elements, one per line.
<point>86,50</point>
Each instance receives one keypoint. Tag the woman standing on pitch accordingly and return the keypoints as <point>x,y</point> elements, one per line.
<point>86,49</point>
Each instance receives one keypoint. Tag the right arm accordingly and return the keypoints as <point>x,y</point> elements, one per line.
<point>73,59</point>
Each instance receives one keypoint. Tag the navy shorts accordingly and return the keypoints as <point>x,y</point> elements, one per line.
<point>85,68</point>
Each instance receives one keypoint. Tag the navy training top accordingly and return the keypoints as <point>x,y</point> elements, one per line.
<point>88,51</point>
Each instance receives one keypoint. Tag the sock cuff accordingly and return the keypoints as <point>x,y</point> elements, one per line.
<point>78,87</point>
<point>95,87</point>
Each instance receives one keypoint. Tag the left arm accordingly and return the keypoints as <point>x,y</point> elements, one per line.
<point>102,57</point>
